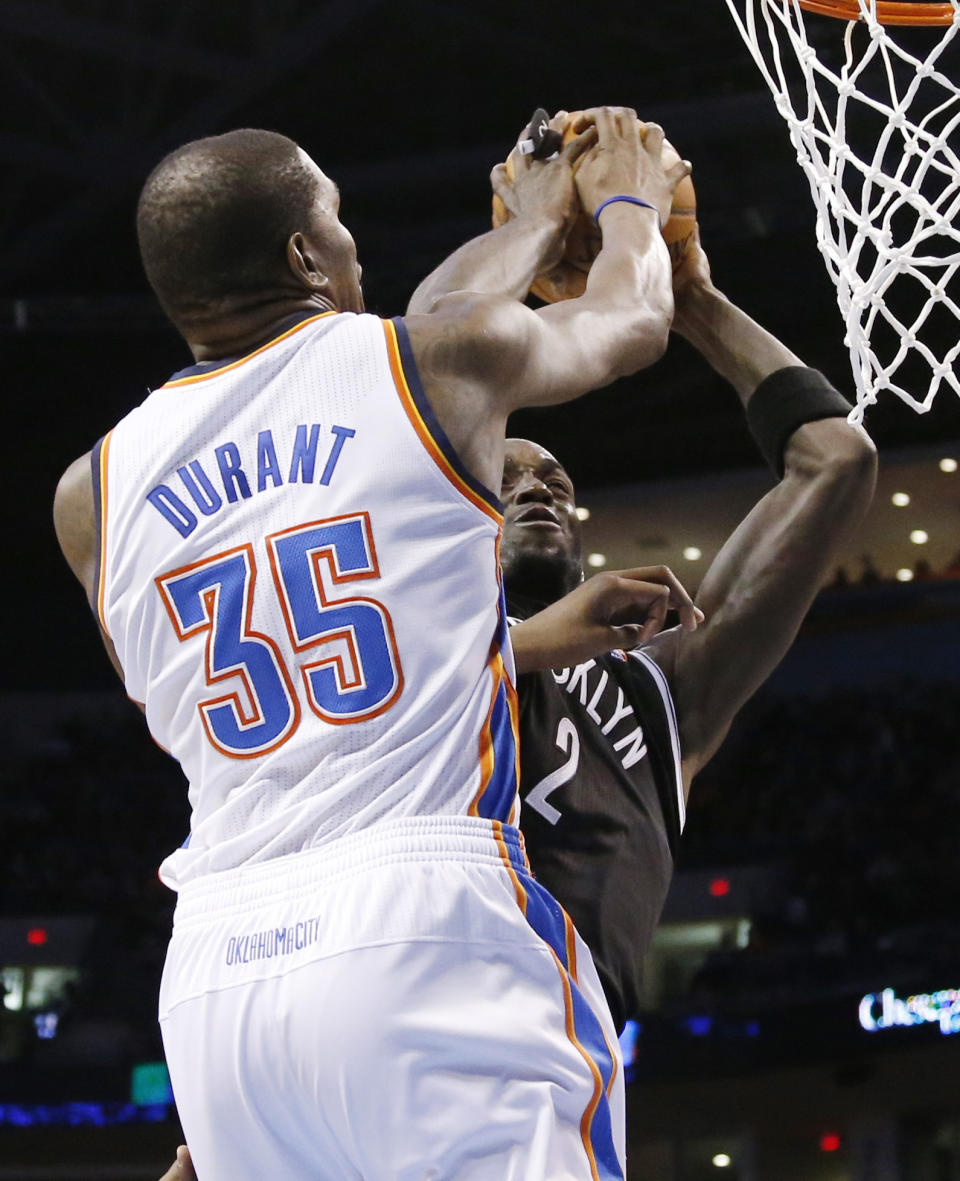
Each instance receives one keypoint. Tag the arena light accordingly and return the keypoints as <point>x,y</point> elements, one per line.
<point>900,499</point>
<point>692,553</point>
<point>583,514</point>
<point>46,1025</point>
<point>720,887</point>
<point>919,536</point>
<point>37,936</point>
<point>830,1142</point>
<point>597,561</point>
<point>904,574</point>
<point>150,1084</point>
<point>948,465</point>
<point>12,987</point>
<point>699,1026</point>
<point>722,1161</point>
<point>74,1114</point>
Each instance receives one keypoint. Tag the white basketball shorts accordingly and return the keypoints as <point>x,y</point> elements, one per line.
<point>403,1003</point>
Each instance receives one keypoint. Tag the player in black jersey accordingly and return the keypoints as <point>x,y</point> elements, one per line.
<point>601,774</point>
<point>611,742</point>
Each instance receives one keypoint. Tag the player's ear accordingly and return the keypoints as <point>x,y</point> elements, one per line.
<point>304,264</point>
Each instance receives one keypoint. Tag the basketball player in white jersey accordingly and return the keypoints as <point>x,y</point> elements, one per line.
<point>292,553</point>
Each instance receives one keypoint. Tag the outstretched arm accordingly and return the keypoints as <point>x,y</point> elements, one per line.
<point>762,582</point>
<point>483,356</point>
<point>504,261</point>
<point>617,609</point>
<point>542,199</point>
<point>620,323</point>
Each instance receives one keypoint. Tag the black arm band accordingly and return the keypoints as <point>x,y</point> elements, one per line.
<point>786,400</point>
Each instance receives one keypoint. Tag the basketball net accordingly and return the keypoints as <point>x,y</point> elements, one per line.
<point>875,127</point>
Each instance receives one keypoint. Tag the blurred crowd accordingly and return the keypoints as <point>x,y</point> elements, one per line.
<point>867,573</point>
<point>856,796</point>
<point>88,816</point>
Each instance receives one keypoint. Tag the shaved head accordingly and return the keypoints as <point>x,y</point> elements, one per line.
<point>540,548</point>
<point>215,216</point>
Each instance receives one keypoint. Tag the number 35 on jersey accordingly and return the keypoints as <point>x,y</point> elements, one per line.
<point>347,657</point>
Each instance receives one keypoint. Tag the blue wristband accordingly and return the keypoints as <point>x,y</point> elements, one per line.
<point>630,201</point>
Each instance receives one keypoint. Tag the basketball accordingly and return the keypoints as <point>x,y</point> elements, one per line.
<point>568,279</point>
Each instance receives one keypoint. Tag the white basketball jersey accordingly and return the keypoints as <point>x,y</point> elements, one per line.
<point>301,583</point>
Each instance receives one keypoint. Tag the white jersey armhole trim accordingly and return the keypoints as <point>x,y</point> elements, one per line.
<point>422,418</point>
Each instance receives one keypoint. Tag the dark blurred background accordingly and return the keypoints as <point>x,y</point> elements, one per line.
<point>819,863</point>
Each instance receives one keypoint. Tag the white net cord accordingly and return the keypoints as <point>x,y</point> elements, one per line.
<point>876,133</point>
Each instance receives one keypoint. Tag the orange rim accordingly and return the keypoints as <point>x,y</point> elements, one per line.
<point>889,12</point>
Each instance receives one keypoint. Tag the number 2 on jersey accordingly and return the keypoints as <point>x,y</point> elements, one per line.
<point>355,672</point>
<point>569,741</point>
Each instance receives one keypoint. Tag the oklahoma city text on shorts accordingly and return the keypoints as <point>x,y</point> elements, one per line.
<point>264,945</point>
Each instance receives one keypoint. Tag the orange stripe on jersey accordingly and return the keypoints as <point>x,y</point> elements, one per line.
<point>586,1123</point>
<point>616,1066</point>
<point>487,754</point>
<point>423,431</point>
<point>101,579</point>
<point>513,708</point>
<point>518,888</point>
<point>571,944</point>
<point>523,843</point>
<point>248,357</point>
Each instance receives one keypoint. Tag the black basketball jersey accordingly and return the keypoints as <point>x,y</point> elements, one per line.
<point>602,802</point>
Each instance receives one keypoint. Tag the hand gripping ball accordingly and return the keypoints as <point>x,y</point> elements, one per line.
<point>568,279</point>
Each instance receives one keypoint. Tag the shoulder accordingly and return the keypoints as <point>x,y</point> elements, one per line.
<point>471,333</point>
<point>75,521</point>
<point>661,652</point>
<point>74,495</point>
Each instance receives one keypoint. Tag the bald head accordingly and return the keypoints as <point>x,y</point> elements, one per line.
<point>540,548</point>
<point>215,217</point>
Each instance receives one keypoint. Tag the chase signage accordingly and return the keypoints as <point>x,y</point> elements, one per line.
<point>885,1010</point>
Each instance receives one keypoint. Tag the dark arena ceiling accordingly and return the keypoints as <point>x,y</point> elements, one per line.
<point>407,107</point>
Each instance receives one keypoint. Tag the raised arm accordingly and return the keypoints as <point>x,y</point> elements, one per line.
<point>483,356</point>
<point>543,201</point>
<point>761,584</point>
